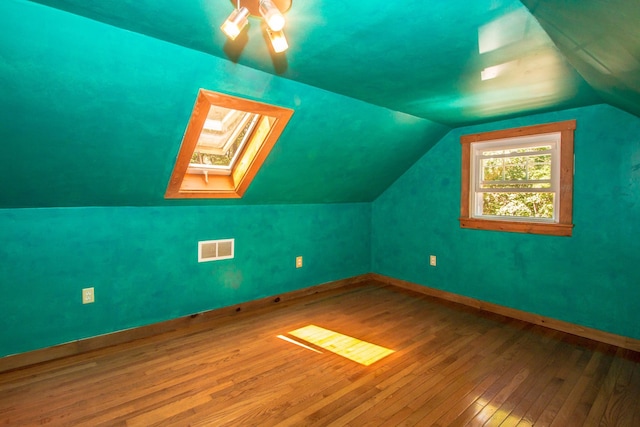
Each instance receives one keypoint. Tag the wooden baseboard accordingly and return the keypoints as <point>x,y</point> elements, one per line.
<point>198,320</point>
<point>571,328</point>
<point>209,319</point>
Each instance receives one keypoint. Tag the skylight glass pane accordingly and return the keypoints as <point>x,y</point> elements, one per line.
<point>223,136</point>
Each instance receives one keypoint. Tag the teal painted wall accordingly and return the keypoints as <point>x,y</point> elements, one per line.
<point>592,278</point>
<point>94,115</point>
<point>143,263</point>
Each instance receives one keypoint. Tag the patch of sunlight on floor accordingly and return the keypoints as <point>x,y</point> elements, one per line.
<point>292,341</point>
<point>354,349</point>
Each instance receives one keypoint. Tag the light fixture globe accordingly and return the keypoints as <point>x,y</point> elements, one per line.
<point>271,11</point>
<point>234,24</point>
<point>272,15</point>
<point>278,40</point>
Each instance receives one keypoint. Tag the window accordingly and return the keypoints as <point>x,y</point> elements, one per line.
<point>519,180</point>
<point>226,141</point>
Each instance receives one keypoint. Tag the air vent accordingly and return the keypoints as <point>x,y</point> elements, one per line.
<point>215,250</point>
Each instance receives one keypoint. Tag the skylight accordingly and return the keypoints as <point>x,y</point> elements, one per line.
<point>223,137</point>
<point>226,141</point>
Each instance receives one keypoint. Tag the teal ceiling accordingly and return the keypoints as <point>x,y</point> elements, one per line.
<point>95,96</point>
<point>421,58</point>
<point>601,39</point>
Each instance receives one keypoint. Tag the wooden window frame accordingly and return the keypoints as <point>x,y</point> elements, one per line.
<point>185,185</point>
<point>564,224</point>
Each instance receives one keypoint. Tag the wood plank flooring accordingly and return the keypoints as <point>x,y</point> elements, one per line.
<point>452,366</point>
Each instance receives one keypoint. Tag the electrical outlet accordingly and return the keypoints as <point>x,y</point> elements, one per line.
<point>88,296</point>
<point>432,260</point>
<point>298,261</point>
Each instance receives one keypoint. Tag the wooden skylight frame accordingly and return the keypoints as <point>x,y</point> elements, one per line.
<point>184,184</point>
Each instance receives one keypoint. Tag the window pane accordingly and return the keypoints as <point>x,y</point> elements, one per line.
<point>532,185</point>
<point>494,152</point>
<point>492,170</point>
<point>525,205</point>
<point>540,167</point>
<point>223,136</point>
<point>515,168</point>
<point>515,150</point>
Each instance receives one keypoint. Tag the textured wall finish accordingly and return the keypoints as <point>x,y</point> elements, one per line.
<point>94,116</point>
<point>589,279</point>
<point>95,97</point>
<point>454,61</point>
<point>143,265</point>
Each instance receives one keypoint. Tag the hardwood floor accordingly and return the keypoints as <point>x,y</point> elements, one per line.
<point>452,366</point>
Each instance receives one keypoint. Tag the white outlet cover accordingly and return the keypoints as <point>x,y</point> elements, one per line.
<point>432,260</point>
<point>88,296</point>
<point>298,262</point>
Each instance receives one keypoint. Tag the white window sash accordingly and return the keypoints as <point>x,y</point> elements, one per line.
<point>477,157</point>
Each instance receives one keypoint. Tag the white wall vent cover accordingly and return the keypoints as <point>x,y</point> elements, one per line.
<point>214,250</point>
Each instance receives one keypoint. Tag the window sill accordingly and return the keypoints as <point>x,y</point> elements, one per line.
<point>518,227</point>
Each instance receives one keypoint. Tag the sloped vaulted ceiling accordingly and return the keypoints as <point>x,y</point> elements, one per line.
<point>601,39</point>
<point>96,95</point>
